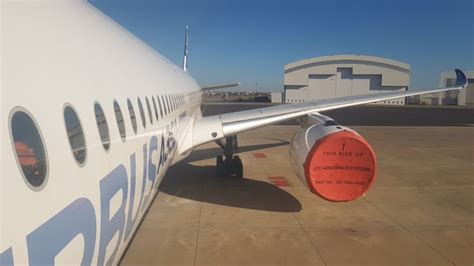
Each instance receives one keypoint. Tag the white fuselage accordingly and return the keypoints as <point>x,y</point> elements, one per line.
<point>67,53</point>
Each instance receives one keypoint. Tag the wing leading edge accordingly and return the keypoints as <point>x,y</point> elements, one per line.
<point>215,127</point>
<point>220,86</point>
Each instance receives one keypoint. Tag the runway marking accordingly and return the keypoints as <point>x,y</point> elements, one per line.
<point>259,155</point>
<point>276,177</point>
<point>279,181</point>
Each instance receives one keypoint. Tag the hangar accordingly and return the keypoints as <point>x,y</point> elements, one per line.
<point>461,97</point>
<point>464,96</point>
<point>344,75</point>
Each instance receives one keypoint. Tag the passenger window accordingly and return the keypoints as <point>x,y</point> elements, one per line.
<point>133,118</point>
<point>142,113</point>
<point>154,107</point>
<point>102,126</point>
<point>29,149</point>
<point>168,103</point>
<point>75,134</point>
<point>160,105</point>
<point>165,106</point>
<point>148,107</point>
<point>170,98</point>
<point>120,122</point>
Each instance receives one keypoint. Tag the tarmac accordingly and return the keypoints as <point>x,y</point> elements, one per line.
<point>420,211</point>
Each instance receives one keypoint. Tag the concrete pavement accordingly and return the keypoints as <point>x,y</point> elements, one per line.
<point>420,210</point>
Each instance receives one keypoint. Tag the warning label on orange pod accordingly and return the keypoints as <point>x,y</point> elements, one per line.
<point>340,166</point>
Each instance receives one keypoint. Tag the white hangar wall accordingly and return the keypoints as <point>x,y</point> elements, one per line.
<point>461,97</point>
<point>344,75</point>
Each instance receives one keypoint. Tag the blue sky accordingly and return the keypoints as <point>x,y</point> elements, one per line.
<point>251,40</point>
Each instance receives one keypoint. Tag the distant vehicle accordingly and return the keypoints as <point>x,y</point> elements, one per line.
<point>262,99</point>
<point>92,118</point>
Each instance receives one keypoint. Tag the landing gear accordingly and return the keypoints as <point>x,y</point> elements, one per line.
<point>229,164</point>
<point>220,167</point>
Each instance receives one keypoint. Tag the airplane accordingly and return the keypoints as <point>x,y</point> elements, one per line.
<point>92,118</point>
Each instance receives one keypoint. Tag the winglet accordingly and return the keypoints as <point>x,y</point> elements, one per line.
<point>461,80</point>
<point>185,57</point>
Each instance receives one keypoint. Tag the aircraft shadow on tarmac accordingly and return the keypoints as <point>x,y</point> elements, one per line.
<point>199,183</point>
<point>210,153</point>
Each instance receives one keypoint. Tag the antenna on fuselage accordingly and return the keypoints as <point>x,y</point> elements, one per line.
<point>185,58</point>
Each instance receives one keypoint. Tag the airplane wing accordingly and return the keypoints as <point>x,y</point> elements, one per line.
<point>219,86</point>
<point>216,127</point>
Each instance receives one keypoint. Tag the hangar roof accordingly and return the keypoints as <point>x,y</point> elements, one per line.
<point>348,58</point>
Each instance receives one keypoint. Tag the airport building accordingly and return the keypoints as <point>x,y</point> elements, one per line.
<point>344,75</point>
<point>276,97</point>
<point>461,97</point>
